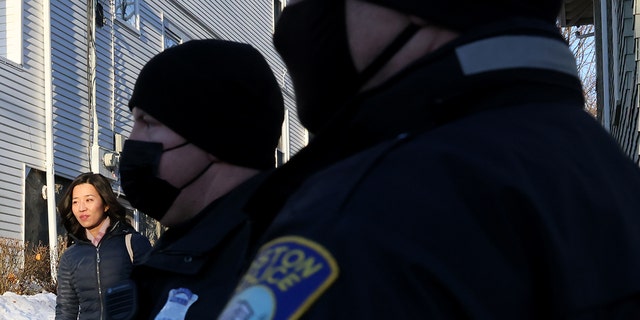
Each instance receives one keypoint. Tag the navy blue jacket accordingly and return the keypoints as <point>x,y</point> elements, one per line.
<point>206,255</point>
<point>470,186</point>
<point>86,271</point>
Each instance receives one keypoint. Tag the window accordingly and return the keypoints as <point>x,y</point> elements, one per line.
<point>127,11</point>
<point>282,152</point>
<point>173,36</point>
<point>277,9</point>
<point>11,30</point>
<point>278,5</point>
<point>171,39</point>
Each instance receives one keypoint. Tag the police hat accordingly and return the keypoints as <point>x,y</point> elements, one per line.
<point>462,15</point>
<point>219,95</point>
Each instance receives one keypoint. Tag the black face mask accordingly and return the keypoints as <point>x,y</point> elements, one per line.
<point>311,37</point>
<point>138,175</point>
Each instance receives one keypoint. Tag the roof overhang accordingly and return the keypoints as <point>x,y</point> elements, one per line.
<point>576,13</point>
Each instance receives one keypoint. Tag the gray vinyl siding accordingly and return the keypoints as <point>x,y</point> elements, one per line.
<point>297,133</point>
<point>71,120</point>
<point>121,51</point>
<point>22,139</point>
<point>623,64</point>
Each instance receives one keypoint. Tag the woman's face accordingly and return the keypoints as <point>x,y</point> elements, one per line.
<point>87,206</point>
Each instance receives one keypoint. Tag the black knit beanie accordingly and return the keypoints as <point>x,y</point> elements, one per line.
<point>219,95</point>
<point>463,15</point>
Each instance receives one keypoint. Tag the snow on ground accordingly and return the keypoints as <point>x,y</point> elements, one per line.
<point>41,306</point>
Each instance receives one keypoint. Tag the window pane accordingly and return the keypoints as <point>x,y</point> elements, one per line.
<point>10,30</point>
<point>277,9</point>
<point>126,10</point>
<point>171,39</point>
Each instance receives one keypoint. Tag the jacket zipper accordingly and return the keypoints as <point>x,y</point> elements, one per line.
<point>106,236</point>
<point>98,276</point>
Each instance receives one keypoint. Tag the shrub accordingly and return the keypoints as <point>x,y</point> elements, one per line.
<point>25,268</point>
<point>10,263</point>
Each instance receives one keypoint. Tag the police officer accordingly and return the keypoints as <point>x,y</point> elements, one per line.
<point>207,119</point>
<point>453,173</point>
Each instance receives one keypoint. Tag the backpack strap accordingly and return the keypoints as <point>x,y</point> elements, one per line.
<point>127,242</point>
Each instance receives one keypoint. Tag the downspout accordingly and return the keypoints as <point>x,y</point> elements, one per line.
<point>606,101</point>
<point>94,157</point>
<point>49,157</point>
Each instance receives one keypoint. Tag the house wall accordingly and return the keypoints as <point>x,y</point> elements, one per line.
<point>621,48</point>
<point>22,121</point>
<point>71,113</point>
<point>121,51</point>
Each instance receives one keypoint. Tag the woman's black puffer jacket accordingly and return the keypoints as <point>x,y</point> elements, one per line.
<point>86,271</point>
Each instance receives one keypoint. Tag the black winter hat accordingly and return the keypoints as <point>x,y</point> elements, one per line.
<point>463,15</point>
<point>219,95</point>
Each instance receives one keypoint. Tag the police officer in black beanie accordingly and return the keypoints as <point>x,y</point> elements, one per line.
<point>207,119</point>
<point>453,172</point>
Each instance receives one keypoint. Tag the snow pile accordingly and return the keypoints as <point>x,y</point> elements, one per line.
<point>41,306</point>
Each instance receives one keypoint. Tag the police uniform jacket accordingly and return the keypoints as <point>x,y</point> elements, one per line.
<point>472,185</point>
<point>207,256</point>
<point>86,271</point>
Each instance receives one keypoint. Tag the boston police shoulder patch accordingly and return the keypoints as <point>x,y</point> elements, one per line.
<point>285,278</point>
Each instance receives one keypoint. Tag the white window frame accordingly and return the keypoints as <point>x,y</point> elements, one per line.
<point>170,30</point>
<point>11,35</point>
<point>276,15</point>
<point>305,138</point>
<point>283,142</point>
<point>134,20</point>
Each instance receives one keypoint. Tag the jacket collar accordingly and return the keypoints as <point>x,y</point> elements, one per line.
<point>187,247</point>
<point>119,227</point>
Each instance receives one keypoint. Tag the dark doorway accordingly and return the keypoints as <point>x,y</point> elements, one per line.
<point>35,217</point>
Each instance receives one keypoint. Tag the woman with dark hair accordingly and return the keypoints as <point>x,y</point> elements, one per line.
<point>103,247</point>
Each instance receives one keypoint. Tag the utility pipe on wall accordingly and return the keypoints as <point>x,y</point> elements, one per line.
<point>606,101</point>
<point>49,157</point>
<point>94,156</point>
